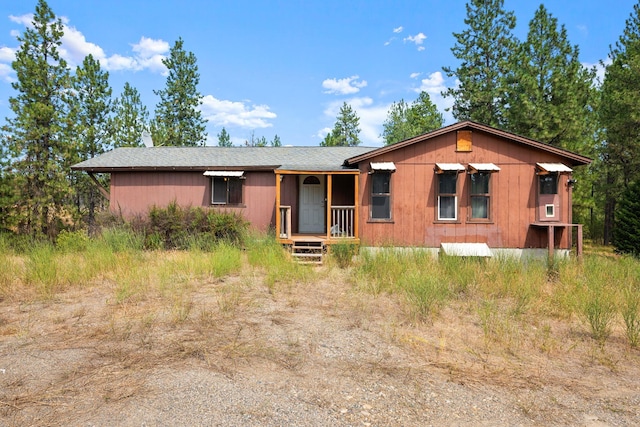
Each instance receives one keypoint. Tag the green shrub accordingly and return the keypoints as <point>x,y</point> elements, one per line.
<point>343,253</point>
<point>176,227</point>
<point>72,241</point>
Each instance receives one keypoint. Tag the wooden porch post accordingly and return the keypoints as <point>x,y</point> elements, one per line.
<point>550,240</point>
<point>579,242</point>
<point>278,218</point>
<point>329,185</point>
<point>356,197</point>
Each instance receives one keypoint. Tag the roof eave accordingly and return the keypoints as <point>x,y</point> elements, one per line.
<point>577,159</point>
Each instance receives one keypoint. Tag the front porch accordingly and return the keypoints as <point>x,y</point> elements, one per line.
<point>317,207</point>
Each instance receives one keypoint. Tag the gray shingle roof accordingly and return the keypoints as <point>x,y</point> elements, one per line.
<point>204,158</point>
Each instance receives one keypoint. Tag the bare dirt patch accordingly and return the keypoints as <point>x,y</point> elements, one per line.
<point>238,352</point>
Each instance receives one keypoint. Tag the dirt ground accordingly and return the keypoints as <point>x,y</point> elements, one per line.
<point>238,352</point>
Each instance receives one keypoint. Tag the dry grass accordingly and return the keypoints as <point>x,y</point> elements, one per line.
<point>73,350</point>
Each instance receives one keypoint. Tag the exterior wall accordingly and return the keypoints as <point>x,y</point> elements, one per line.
<point>513,192</point>
<point>133,193</point>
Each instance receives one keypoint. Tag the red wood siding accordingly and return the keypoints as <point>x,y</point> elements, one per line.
<point>133,193</point>
<point>513,196</point>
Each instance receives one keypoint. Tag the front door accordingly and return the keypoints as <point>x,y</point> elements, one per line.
<point>311,218</point>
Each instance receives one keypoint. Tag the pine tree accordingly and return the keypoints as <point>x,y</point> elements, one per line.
<point>224,139</point>
<point>619,115</point>
<point>276,141</point>
<point>130,119</point>
<point>483,50</point>
<point>346,130</point>
<point>551,95</point>
<point>36,146</point>
<point>404,121</point>
<point>178,120</point>
<point>626,235</point>
<point>92,113</point>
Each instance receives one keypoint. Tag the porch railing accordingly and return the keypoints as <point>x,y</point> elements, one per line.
<point>285,222</point>
<point>342,221</point>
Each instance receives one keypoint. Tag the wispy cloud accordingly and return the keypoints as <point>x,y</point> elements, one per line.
<point>418,39</point>
<point>414,75</point>
<point>346,86</point>
<point>398,30</point>
<point>233,113</point>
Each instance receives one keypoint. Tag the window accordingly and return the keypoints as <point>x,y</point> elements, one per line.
<point>549,183</point>
<point>447,195</point>
<point>480,201</point>
<point>381,195</point>
<point>226,190</point>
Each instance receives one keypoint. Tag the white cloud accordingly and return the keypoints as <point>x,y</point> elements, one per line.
<point>7,54</point>
<point>148,53</point>
<point>414,75</point>
<point>25,19</point>
<point>345,86</point>
<point>371,118</point>
<point>6,73</point>
<point>75,47</point>
<point>398,30</point>
<point>434,84</point>
<point>323,132</point>
<point>418,39</point>
<point>233,113</point>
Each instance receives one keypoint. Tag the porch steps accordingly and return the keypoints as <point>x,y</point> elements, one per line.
<point>308,252</point>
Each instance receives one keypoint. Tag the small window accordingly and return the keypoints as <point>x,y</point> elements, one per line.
<point>480,198</point>
<point>549,183</point>
<point>311,180</point>
<point>550,211</point>
<point>447,196</point>
<point>226,190</point>
<point>381,195</point>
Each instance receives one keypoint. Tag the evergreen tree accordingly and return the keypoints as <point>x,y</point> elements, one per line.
<point>178,120</point>
<point>346,130</point>
<point>224,139</point>
<point>484,50</point>
<point>92,113</point>
<point>551,95</point>
<point>404,121</point>
<point>37,150</point>
<point>619,115</point>
<point>627,222</point>
<point>130,119</point>
<point>397,127</point>
<point>276,141</point>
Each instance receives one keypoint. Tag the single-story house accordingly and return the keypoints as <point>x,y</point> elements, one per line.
<point>466,188</point>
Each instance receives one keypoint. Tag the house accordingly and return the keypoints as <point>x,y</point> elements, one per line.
<point>466,188</point>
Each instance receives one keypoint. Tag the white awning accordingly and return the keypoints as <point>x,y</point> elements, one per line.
<point>466,249</point>
<point>383,167</point>
<point>449,167</point>
<point>553,167</point>
<point>237,174</point>
<point>483,167</point>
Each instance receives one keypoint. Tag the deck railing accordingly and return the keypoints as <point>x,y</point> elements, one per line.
<point>285,222</point>
<point>343,221</point>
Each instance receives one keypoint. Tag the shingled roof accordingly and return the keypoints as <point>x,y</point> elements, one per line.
<point>222,158</point>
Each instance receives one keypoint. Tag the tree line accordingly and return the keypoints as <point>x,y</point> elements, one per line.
<point>534,87</point>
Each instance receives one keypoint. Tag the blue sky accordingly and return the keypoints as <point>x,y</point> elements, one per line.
<point>286,67</point>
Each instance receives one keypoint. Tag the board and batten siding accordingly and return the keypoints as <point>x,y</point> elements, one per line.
<point>513,196</point>
<point>133,193</point>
